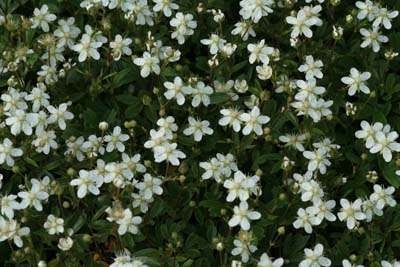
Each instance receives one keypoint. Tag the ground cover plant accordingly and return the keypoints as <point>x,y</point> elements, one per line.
<point>199,133</point>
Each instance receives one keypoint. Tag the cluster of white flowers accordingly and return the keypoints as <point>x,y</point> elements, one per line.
<point>240,187</point>
<point>379,138</point>
<point>308,101</point>
<point>252,120</point>
<point>379,16</point>
<point>37,119</point>
<point>32,123</point>
<point>10,228</point>
<point>161,142</point>
<point>303,20</point>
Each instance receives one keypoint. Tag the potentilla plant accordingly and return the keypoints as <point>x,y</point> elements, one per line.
<point>199,133</point>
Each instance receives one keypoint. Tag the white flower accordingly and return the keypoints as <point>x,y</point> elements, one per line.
<point>356,81</point>
<point>8,152</point>
<point>116,140</point>
<point>87,47</point>
<point>54,225</point>
<point>312,68</point>
<point>66,32</point>
<point>166,6</point>
<point>147,63</point>
<point>157,138</point>
<point>42,17</point>
<point>168,125</point>
<point>239,187</point>
<point>177,90</point>
<point>259,52</point>
<point>253,121</point>
<point>19,121</point>
<point>38,97</point>
<point>318,159</point>
<point>150,185</point>
<point>264,72</point>
<point>129,223</point>
<point>242,216</point>
<point>168,152</point>
<point>384,17</point>
<point>311,191</point>
<point>140,11</point>
<point>266,261</point>
<point>385,143</point>
<point>87,181</point>
<point>75,147</point>
<point>255,9</point>
<point>382,197</point>
<point>347,263</point>
<point>394,263</point>
<point>93,146</point>
<point>13,100</point>
<point>201,94</point>
<point>314,257</point>
<point>243,247</point>
<point>59,115</point>
<point>322,209</point>
<point>294,140</point>
<point>241,86</point>
<point>65,243</point>
<point>367,132</point>
<point>306,220</point>
<point>198,128</point>
<point>301,25</point>
<point>124,259</point>
<point>373,38</point>
<point>308,89</point>
<point>120,47</point>
<point>11,229</point>
<point>34,196</point>
<point>244,29</point>
<point>45,141</point>
<point>8,204</point>
<point>213,169</point>
<point>366,9</point>
<point>184,25</point>
<point>231,117</point>
<point>215,43</point>
<point>351,212</point>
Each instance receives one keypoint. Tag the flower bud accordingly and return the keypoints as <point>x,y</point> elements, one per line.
<point>219,246</point>
<point>103,126</point>
<point>281,230</point>
<point>71,172</point>
<point>349,18</point>
<point>66,205</point>
<point>42,264</point>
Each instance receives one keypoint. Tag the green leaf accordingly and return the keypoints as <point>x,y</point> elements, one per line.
<point>217,98</point>
<point>125,76</point>
<point>389,172</point>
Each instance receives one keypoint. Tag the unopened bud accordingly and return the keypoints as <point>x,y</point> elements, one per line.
<point>281,230</point>
<point>103,126</point>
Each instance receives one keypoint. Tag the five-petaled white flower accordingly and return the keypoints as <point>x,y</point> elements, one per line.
<point>315,257</point>
<point>253,121</point>
<point>351,212</point>
<point>87,181</point>
<point>42,17</point>
<point>373,38</point>
<point>356,81</point>
<point>8,152</point>
<point>148,63</point>
<point>116,140</point>
<point>242,216</point>
<point>198,128</point>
